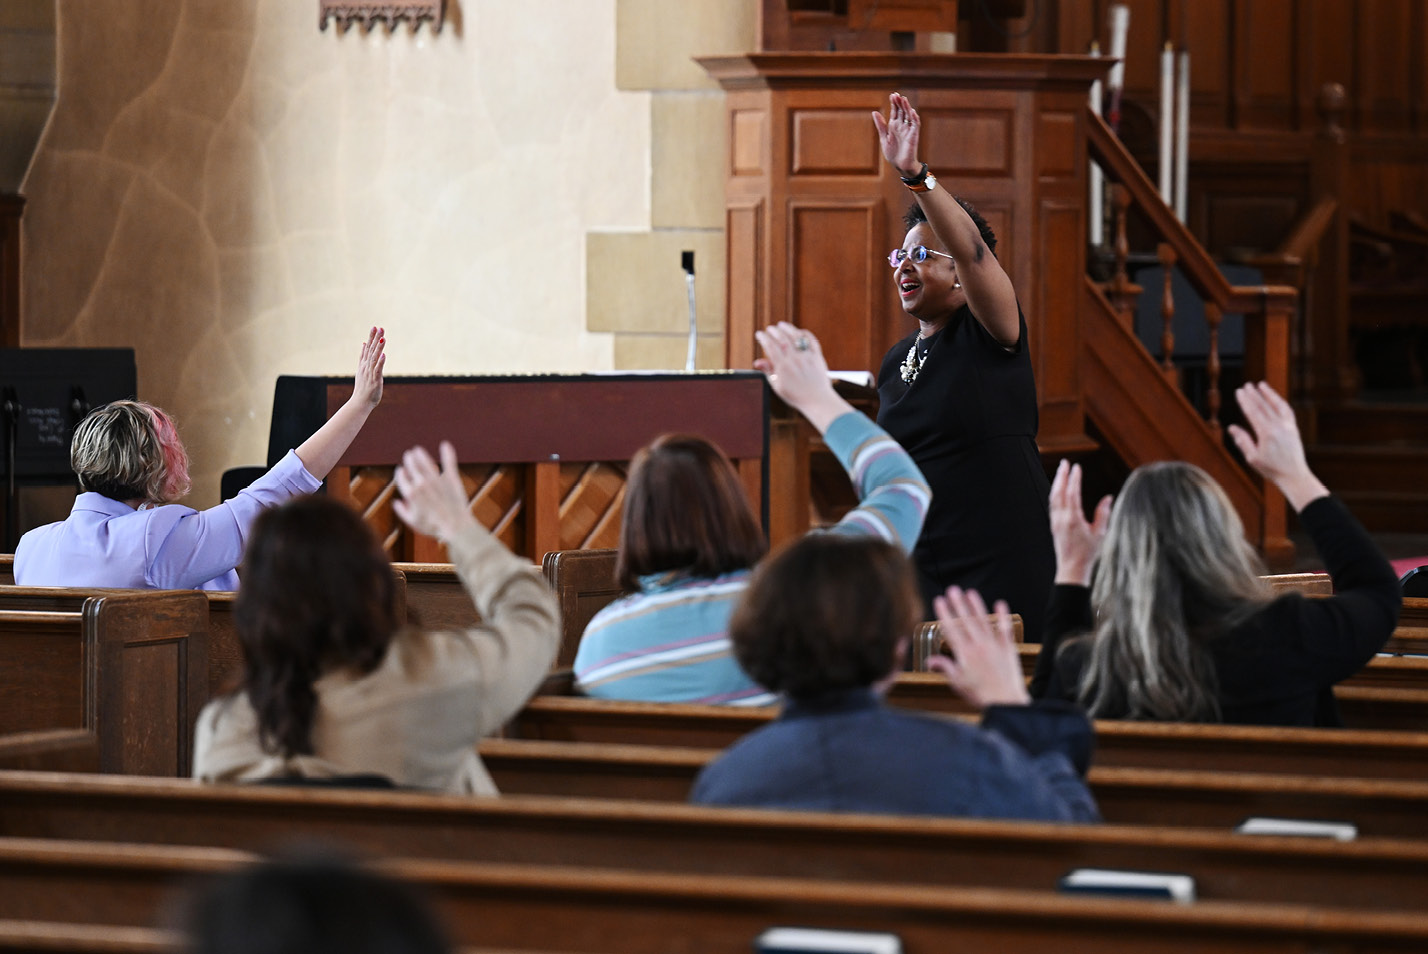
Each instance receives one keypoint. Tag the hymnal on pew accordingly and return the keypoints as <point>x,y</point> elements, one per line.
<point>1339,831</point>
<point>1145,884</point>
<point>789,940</point>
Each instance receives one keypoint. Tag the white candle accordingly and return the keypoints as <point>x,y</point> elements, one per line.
<point>1120,26</point>
<point>1096,210</point>
<point>1182,133</point>
<point>1167,119</point>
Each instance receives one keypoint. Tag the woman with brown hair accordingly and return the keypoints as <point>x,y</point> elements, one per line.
<point>334,686</point>
<point>826,622</point>
<point>1160,612</point>
<point>689,539</point>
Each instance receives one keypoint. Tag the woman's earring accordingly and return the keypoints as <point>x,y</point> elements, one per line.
<point>956,284</point>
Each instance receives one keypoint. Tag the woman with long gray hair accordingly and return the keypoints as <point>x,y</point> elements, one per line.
<point>1160,611</point>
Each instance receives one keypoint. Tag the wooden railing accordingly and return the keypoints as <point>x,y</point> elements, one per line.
<point>1137,402</point>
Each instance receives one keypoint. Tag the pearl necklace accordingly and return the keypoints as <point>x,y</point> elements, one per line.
<point>912,364</point>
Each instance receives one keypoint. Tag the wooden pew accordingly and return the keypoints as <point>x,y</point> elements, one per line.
<point>225,652</point>
<point>603,911</point>
<point>435,598</point>
<point>1388,808</point>
<point>50,750</point>
<point>1217,748</point>
<point>128,666</point>
<point>690,839</point>
<point>584,583</point>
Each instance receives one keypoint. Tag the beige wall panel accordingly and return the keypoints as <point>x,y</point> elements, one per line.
<point>658,38</point>
<point>636,283</point>
<point>238,195</point>
<point>688,142</point>
<point>648,352</point>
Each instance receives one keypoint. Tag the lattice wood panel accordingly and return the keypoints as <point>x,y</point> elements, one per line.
<point>591,502</point>
<point>592,497</point>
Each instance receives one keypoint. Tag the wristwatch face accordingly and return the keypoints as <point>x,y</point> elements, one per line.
<point>928,184</point>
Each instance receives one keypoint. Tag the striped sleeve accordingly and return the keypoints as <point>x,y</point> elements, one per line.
<point>893,495</point>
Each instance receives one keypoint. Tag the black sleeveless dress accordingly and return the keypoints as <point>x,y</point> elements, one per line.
<point>969,420</point>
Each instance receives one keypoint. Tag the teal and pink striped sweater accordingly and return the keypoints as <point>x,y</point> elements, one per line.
<point>670,643</point>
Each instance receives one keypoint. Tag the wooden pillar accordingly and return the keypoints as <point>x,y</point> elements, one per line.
<point>12,207</point>
<point>812,209</point>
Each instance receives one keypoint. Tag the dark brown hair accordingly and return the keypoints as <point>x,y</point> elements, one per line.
<point>914,216</point>
<point>318,594</point>
<point>685,510</point>
<point>825,613</point>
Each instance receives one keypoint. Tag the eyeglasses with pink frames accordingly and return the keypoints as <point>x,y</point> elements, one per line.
<point>918,253</point>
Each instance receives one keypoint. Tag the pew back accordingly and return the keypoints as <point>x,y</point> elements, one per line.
<point>128,666</point>
<point>690,839</point>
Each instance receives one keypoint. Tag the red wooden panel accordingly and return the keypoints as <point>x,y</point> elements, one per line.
<point>744,235</point>
<point>748,141</point>
<point>834,258</point>
<point>833,142</point>
<point>569,418</point>
<point>1056,152</point>
<point>968,142</point>
<point>1203,27</point>
<point>1264,64</point>
<point>1385,70</point>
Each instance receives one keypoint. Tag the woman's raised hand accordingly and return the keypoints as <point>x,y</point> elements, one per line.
<point>367,385</point>
<point>793,361</point>
<point>986,669</point>
<point>1076,539</point>
<point>1275,448</point>
<point>898,134</point>
<point>433,499</point>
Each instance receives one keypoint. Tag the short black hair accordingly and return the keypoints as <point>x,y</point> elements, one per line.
<point>914,216</point>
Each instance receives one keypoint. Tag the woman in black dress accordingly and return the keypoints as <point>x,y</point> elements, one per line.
<point>959,396</point>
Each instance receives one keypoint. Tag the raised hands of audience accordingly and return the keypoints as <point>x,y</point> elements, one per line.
<point>433,499</point>
<point>367,383</point>
<point>793,361</point>
<point>898,135</point>
<point>985,669</point>
<point>1076,538</point>
<point>1275,448</point>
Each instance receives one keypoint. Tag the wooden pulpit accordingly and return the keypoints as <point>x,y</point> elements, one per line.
<point>812,209</point>
<point>543,457</point>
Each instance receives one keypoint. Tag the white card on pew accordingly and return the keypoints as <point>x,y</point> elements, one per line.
<point>861,378</point>
<point>1150,884</point>
<point>1299,827</point>
<point>790,940</point>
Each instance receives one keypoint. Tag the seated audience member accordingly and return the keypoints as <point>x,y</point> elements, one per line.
<point>308,906</point>
<point>334,686</point>
<point>689,539</point>
<point>826,622</point>
<point>1159,611</point>
<point>126,531</point>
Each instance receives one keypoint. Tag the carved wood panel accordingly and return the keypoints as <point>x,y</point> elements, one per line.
<point>836,279</point>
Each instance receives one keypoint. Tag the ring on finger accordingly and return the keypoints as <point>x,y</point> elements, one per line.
<point>801,343</point>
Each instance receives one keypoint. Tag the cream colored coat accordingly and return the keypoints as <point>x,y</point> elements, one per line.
<point>417,718</point>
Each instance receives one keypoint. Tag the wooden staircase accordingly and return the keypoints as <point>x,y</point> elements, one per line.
<point>1135,401</point>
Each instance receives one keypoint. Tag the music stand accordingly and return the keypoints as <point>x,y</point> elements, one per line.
<point>44,393</point>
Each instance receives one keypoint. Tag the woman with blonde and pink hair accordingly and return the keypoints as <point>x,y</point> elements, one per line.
<point>125,529</point>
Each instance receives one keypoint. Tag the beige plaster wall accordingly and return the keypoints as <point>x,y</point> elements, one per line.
<point>636,287</point>
<point>238,195</point>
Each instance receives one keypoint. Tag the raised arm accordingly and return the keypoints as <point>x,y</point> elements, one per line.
<point>893,496</point>
<point>519,631</point>
<point>321,452</point>
<point>990,295</point>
